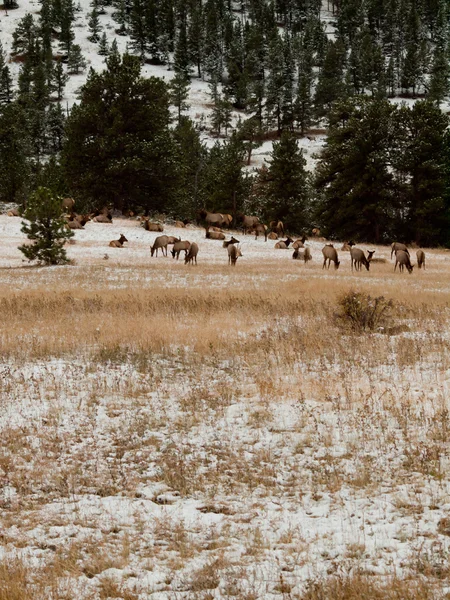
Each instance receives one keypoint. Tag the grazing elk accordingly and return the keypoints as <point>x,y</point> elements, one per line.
<point>403,260</point>
<point>304,254</point>
<point>227,243</point>
<point>398,246</point>
<point>118,243</point>
<point>179,246</point>
<point>191,256</point>
<point>215,235</point>
<point>330,254</point>
<point>284,244</point>
<point>420,258</point>
<point>160,243</point>
<point>358,258</point>
<point>233,254</point>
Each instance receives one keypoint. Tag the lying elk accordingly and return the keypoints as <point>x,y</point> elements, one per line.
<point>304,255</point>
<point>118,243</point>
<point>272,235</point>
<point>330,254</point>
<point>103,218</point>
<point>191,256</point>
<point>13,212</point>
<point>151,226</point>
<point>403,260</point>
<point>398,246</point>
<point>179,246</point>
<point>284,244</point>
<point>215,235</point>
<point>300,243</point>
<point>420,258</point>
<point>160,243</point>
<point>227,243</point>
<point>233,254</point>
<point>358,258</point>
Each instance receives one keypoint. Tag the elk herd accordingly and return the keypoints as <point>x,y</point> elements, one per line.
<point>214,224</point>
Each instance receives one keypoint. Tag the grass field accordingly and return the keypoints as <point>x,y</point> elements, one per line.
<point>270,430</point>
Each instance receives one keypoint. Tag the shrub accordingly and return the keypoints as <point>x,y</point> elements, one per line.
<point>361,312</point>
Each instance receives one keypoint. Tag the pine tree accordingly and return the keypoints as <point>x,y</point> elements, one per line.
<point>103,46</point>
<point>55,123</point>
<point>181,60</point>
<point>196,36</point>
<point>249,132</point>
<point>330,84</point>
<point>24,35</point>
<point>59,79</point>
<point>179,92</point>
<point>287,191</point>
<point>75,61</point>
<point>66,19</point>
<point>420,164</point>
<point>14,153</point>
<point>6,93</point>
<point>94,25</point>
<point>118,146</point>
<point>46,227</point>
<point>353,179</point>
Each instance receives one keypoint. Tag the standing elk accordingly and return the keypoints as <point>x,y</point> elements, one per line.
<point>260,229</point>
<point>67,205</point>
<point>227,243</point>
<point>160,243</point>
<point>179,246</point>
<point>403,260</point>
<point>191,256</point>
<point>358,258</point>
<point>248,223</point>
<point>398,246</point>
<point>420,259</point>
<point>214,219</point>
<point>118,243</point>
<point>330,254</point>
<point>277,227</point>
<point>233,254</point>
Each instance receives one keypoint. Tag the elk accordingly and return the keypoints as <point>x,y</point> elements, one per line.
<point>216,219</point>
<point>260,229</point>
<point>103,218</point>
<point>403,260</point>
<point>284,244</point>
<point>151,226</point>
<point>179,246</point>
<point>277,227</point>
<point>215,235</point>
<point>67,204</point>
<point>358,258</point>
<point>233,254</point>
<point>398,246</point>
<point>272,235</point>
<point>330,254</point>
<point>304,255</point>
<point>227,243</point>
<point>248,223</point>
<point>160,243</point>
<point>118,243</point>
<point>316,232</point>
<point>191,256</point>
<point>347,246</point>
<point>300,243</point>
<point>420,259</point>
<point>13,212</point>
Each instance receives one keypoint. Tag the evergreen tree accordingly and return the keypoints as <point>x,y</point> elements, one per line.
<point>181,56</point>
<point>287,190</point>
<point>6,93</point>
<point>249,132</point>
<point>195,35</point>
<point>353,178</point>
<point>179,92</point>
<point>420,166</point>
<point>118,146</point>
<point>59,79</point>
<point>46,227</point>
<point>330,84</point>
<point>14,153</point>
<point>24,36</point>
<point>94,25</point>
<point>66,19</point>
<point>55,123</point>
<point>75,60</point>
<point>103,47</point>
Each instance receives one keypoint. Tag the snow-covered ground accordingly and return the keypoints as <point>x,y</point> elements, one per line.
<point>134,474</point>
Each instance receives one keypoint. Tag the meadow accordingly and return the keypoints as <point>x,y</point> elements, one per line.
<point>270,430</point>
